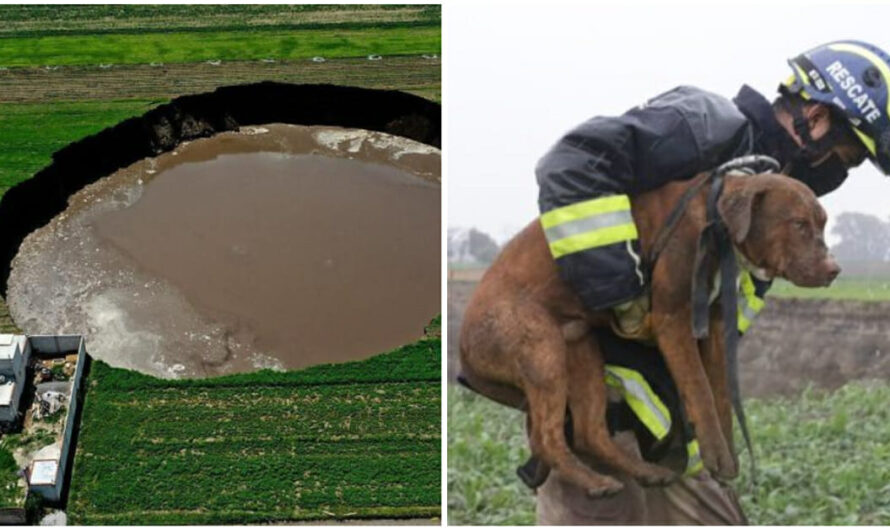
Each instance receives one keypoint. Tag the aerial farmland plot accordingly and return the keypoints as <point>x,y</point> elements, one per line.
<point>356,440</point>
<point>229,435</point>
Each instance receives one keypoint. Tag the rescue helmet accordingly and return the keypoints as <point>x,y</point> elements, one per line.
<point>853,77</point>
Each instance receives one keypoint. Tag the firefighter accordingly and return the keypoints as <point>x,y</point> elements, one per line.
<point>831,114</point>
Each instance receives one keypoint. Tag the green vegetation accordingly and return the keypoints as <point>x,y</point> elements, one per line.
<point>6,323</point>
<point>31,133</point>
<point>486,442</point>
<point>42,20</point>
<point>28,441</point>
<point>187,47</point>
<point>821,459</point>
<point>355,440</point>
<point>11,489</point>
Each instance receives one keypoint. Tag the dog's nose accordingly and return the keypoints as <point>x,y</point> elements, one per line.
<point>833,269</point>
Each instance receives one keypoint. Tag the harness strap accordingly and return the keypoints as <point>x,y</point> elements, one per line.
<point>715,243</point>
<point>749,164</point>
<point>671,223</point>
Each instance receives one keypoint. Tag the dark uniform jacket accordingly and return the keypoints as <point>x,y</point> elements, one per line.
<point>673,136</point>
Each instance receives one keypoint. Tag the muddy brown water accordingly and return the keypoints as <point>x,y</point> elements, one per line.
<point>279,246</point>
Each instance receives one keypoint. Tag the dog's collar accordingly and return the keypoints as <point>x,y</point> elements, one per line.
<point>745,264</point>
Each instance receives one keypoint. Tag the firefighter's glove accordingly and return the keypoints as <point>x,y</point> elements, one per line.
<point>632,320</point>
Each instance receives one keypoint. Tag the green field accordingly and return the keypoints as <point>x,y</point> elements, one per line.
<point>30,134</point>
<point>844,288</point>
<point>44,20</point>
<point>356,440</point>
<point>825,467</point>
<point>189,47</point>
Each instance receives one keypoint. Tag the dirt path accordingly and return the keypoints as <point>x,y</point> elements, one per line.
<point>418,75</point>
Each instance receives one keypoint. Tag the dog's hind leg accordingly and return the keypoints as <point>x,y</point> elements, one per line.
<point>587,401</point>
<point>542,358</point>
<point>498,392</point>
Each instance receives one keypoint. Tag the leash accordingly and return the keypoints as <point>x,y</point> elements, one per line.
<point>715,243</point>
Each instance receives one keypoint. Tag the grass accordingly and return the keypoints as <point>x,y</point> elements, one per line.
<point>355,440</point>
<point>31,133</point>
<point>11,490</point>
<point>32,20</point>
<point>486,442</point>
<point>6,323</point>
<point>189,47</point>
<point>821,459</point>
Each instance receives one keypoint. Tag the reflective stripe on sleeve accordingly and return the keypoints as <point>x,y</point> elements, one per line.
<point>643,401</point>
<point>589,224</point>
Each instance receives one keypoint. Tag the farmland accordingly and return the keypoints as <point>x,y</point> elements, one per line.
<point>355,440</point>
<point>824,468</point>
<point>66,73</point>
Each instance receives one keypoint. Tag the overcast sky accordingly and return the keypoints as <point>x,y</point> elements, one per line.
<point>518,77</point>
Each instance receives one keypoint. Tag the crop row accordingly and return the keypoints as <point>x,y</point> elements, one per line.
<point>270,481</point>
<point>356,439</point>
<point>201,517</point>
<point>191,47</point>
<point>27,20</point>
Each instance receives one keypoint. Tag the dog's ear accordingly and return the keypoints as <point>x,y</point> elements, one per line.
<point>736,207</point>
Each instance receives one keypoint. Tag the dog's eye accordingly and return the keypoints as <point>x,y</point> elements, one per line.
<point>801,225</point>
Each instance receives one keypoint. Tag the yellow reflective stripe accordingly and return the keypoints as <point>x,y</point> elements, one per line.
<point>803,75</point>
<point>694,464</point>
<point>749,304</point>
<point>593,239</point>
<point>867,141</point>
<point>579,210</point>
<point>874,59</point>
<point>641,399</point>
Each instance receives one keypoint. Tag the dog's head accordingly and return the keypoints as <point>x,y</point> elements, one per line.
<point>777,225</point>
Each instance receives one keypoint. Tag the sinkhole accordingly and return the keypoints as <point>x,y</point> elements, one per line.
<point>264,245</point>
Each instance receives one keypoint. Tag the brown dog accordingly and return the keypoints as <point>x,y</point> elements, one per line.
<point>525,336</point>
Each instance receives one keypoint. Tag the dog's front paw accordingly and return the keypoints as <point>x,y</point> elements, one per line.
<point>607,487</point>
<point>654,475</point>
<point>728,467</point>
<point>720,462</point>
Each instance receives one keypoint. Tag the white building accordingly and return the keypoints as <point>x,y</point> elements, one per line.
<point>14,353</point>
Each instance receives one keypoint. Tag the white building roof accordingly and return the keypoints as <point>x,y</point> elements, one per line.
<point>43,472</point>
<point>7,390</point>
<point>9,344</point>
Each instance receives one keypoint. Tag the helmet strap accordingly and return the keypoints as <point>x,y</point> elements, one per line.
<point>811,149</point>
